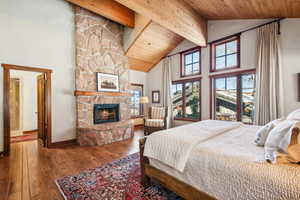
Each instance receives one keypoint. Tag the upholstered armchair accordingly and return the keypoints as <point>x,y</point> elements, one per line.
<point>157,120</point>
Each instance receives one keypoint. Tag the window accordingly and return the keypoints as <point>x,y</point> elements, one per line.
<point>234,97</point>
<point>191,62</point>
<point>186,99</point>
<point>225,54</point>
<point>136,107</point>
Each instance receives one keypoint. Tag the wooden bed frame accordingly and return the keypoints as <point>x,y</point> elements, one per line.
<point>180,188</point>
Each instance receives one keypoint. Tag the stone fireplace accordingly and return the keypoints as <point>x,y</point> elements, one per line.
<point>102,117</point>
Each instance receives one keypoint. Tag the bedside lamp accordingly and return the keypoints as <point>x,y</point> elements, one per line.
<point>144,100</point>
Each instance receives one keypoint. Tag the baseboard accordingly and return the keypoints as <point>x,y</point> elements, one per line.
<point>2,153</point>
<point>63,143</point>
<point>30,131</point>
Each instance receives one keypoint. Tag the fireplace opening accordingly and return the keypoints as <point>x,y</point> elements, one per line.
<point>104,113</point>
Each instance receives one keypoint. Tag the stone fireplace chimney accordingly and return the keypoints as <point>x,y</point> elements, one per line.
<point>99,49</point>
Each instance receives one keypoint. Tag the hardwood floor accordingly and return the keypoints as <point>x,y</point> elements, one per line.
<point>30,171</point>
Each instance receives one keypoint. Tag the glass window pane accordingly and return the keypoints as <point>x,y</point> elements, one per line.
<point>136,107</point>
<point>188,59</point>
<point>196,56</point>
<point>231,60</point>
<point>231,83</point>
<point>248,81</point>
<point>231,47</point>
<point>220,63</point>
<point>226,99</point>
<point>220,50</point>
<point>192,109</point>
<point>195,68</point>
<point>188,69</point>
<point>177,101</point>
<point>248,93</point>
<point>220,83</point>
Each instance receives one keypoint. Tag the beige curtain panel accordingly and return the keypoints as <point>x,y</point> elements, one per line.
<point>269,102</point>
<point>167,89</point>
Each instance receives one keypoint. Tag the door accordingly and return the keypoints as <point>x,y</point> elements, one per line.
<point>41,107</point>
<point>15,107</point>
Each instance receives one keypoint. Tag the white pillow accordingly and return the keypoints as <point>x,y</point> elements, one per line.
<point>262,133</point>
<point>275,137</point>
<point>295,115</point>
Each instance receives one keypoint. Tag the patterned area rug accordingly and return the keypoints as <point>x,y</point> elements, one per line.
<point>117,180</point>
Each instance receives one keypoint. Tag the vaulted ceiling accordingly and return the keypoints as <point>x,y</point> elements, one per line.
<point>246,9</point>
<point>156,27</point>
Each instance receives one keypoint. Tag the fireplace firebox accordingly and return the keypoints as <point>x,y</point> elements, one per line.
<point>104,113</point>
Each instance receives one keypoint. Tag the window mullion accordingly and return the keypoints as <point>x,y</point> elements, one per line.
<point>183,100</point>
<point>239,98</point>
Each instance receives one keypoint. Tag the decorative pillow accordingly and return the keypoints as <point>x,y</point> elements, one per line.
<point>275,137</point>
<point>263,132</point>
<point>295,115</point>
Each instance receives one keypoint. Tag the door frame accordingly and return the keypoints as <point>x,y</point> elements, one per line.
<point>6,99</point>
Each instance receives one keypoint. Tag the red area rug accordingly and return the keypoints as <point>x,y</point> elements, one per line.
<point>119,180</point>
<point>25,137</point>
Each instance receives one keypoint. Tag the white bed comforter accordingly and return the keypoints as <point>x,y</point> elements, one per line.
<point>173,146</point>
<point>225,167</point>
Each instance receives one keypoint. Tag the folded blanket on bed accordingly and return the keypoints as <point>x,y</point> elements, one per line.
<point>173,146</point>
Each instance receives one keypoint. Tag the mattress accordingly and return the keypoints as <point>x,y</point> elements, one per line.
<point>226,167</point>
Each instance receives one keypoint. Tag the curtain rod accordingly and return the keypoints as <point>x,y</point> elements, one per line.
<point>239,33</point>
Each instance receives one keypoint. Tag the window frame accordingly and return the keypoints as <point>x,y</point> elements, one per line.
<point>141,111</point>
<point>238,75</point>
<point>213,57</point>
<point>182,61</point>
<point>183,98</point>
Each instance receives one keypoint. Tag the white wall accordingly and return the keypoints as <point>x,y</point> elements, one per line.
<point>290,44</point>
<point>29,98</point>
<point>138,77</point>
<point>221,28</point>
<point>40,33</point>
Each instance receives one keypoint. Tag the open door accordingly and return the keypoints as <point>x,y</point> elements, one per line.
<point>41,109</point>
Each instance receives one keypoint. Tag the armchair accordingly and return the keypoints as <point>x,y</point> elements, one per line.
<point>157,120</point>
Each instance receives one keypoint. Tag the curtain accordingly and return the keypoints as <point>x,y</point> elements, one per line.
<point>167,89</point>
<point>269,102</point>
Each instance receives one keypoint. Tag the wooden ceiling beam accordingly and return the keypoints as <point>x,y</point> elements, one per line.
<point>109,9</point>
<point>175,15</point>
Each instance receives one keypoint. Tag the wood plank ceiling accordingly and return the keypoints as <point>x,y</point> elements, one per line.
<point>246,9</point>
<point>158,30</point>
<point>148,48</point>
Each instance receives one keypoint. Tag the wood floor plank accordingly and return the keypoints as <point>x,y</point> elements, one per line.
<point>31,170</point>
<point>25,174</point>
<point>15,173</point>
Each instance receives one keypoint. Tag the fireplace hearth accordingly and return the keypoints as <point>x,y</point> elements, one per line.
<point>104,113</point>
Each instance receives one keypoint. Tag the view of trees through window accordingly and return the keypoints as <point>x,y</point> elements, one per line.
<point>186,100</point>
<point>234,98</point>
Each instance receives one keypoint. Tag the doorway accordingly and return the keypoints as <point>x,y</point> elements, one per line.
<point>13,103</point>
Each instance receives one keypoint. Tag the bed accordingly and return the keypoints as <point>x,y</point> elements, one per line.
<point>224,166</point>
